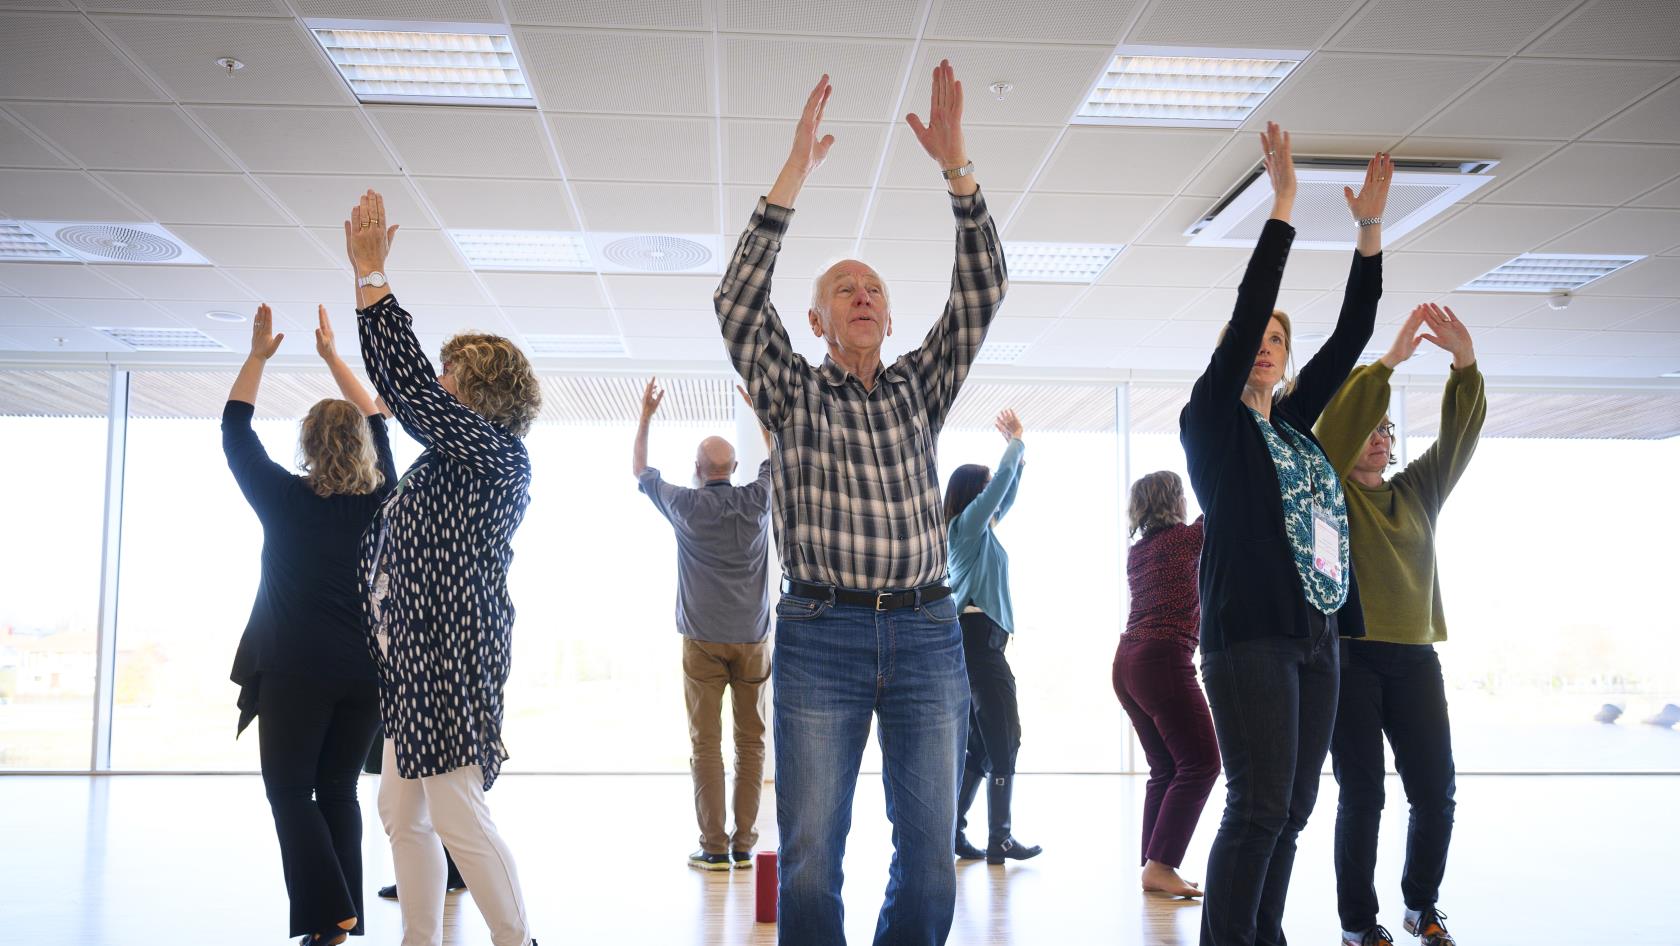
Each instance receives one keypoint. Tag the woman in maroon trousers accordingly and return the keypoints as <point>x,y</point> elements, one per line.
<point>1156,683</point>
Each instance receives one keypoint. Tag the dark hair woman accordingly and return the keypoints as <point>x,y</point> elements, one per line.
<point>1275,584</point>
<point>303,666</point>
<point>1156,681</point>
<point>974,502</point>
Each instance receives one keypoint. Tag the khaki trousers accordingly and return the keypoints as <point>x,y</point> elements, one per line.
<point>709,668</point>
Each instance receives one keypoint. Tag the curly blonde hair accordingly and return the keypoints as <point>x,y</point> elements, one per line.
<point>1157,502</point>
<point>335,449</point>
<point>494,378</point>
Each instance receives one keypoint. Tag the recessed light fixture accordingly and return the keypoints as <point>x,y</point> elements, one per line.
<point>163,339</point>
<point>19,242</point>
<point>1547,272</point>
<point>222,315</point>
<point>1201,88</point>
<point>1001,353</point>
<point>436,63</point>
<point>576,346</point>
<point>550,250</point>
<point>1059,262</point>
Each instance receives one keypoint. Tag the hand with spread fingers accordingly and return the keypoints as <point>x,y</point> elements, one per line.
<point>1448,332</point>
<point>942,136</point>
<point>652,395</point>
<point>1008,424</point>
<point>1368,204</point>
<point>810,147</point>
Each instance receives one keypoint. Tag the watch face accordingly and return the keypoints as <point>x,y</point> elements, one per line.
<point>376,279</point>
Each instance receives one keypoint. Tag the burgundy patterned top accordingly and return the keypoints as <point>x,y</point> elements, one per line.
<point>1161,572</point>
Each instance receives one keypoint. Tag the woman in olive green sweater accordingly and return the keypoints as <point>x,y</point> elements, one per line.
<point>1391,679</point>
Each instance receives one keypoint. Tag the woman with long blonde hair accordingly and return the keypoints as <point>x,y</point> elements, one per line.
<point>303,665</point>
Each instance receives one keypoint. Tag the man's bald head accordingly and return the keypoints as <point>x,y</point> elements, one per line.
<point>715,459</point>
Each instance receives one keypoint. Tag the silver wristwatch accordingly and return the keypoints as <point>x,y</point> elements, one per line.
<point>1369,221</point>
<point>374,279</point>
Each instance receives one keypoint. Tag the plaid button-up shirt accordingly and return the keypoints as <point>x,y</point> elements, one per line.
<point>855,470</point>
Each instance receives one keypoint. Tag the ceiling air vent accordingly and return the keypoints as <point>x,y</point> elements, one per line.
<point>655,252</point>
<point>1001,353</point>
<point>163,339</point>
<point>117,242</point>
<point>1547,272</point>
<point>576,346</point>
<point>1421,189</point>
<point>18,242</point>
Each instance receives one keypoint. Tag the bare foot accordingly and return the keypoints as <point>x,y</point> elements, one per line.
<point>1159,878</point>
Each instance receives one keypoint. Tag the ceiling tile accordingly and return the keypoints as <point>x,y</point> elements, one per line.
<point>287,318</point>
<point>413,249</point>
<point>883,17</point>
<point>438,289</point>
<point>1534,98</point>
<point>1663,319</point>
<point>124,137</point>
<point>902,261</point>
<point>21,148</point>
<point>1448,26</point>
<point>275,138</point>
<point>1306,270</point>
<point>1479,309</point>
<point>1084,342</point>
<point>1186,334</point>
<point>663,14</point>
<point>425,11</point>
<point>1082,218</point>
<point>1262,24</point>
<point>663,292</point>
<point>633,148</point>
<point>60,195</point>
<point>1600,174</point>
<point>196,198</point>
<point>754,152</point>
<point>556,320</point>
<point>865,75</point>
<point>925,214</point>
<point>1615,29</point>
<point>270,8</point>
<point>334,288</point>
<point>670,323</point>
<point>1065,21</point>
<point>1161,359</point>
<point>1657,276</point>
<point>1666,196</point>
<point>283,65</point>
<point>1005,157</point>
<point>59,281</point>
<point>1242,155</point>
<point>174,282</point>
<point>601,71</point>
<point>1587,312</point>
<point>486,204</point>
<point>62,56</point>
<point>1414,271</point>
<point>1133,302</point>
<point>679,349</point>
<point>112,313</point>
<point>1527,341</point>
<point>546,290</point>
<point>1113,160</point>
<point>831,212</point>
<point>1039,300</point>
<point>467,141</point>
<point>1394,93</point>
<point>323,200</point>
<point>647,208</point>
<point>1514,157</point>
<point>1656,119</point>
<point>273,247</point>
<point>16,311</point>
<point>455,319</point>
<point>1050,82</point>
<point>1494,228</point>
<point>1193,266</point>
<point>1641,232</point>
<point>801,258</point>
<point>62,339</point>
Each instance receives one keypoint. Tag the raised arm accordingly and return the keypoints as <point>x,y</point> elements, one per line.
<point>1463,411</point>
<point>985,506</point>
<point>651,396</point>
<point>1221,385</point>
<point>348,385</point>
<point>264,343</point>
<point>1356,410</point>
<point>1324,373</point>
<point>1009,426</point>
<point>259,478</point>
<point>763,431</point>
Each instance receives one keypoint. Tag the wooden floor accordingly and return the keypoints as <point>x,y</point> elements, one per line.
<point>1587,860</point>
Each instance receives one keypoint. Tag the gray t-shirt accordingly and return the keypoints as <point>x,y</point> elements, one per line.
<point>723,555</point>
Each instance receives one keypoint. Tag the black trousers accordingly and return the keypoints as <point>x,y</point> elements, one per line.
<point>994,718</point>
<point>314,735</point>
<point>1274,704</point>
<point>1392,689</point>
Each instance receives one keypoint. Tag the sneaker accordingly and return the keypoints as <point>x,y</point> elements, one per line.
<point>1429,929</point>
<point>388,893</point>
<point>1375,936</point>
<point>706,861</point>
<point>742,859</point>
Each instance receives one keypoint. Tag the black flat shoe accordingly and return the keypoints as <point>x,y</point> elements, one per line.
<point>324,939</point>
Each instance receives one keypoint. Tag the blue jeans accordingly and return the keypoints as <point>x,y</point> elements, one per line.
<point>835,666</point>
<point>1274,705</point>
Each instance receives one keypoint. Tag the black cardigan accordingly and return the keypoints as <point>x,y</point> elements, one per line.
<point>1248,583</point>
<point>307,616</point>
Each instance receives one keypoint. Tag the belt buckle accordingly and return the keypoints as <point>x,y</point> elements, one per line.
<point>881,596</point>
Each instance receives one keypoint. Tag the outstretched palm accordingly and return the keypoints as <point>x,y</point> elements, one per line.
<point>942,136</point>
<point>1373,193</point>
<point>264,343</point>
<point>810,147</point>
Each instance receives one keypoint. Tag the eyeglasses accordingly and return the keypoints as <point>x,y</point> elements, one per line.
<point>1386,431</point>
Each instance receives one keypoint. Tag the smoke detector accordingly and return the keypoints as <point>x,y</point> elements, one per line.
<point>96,242</point>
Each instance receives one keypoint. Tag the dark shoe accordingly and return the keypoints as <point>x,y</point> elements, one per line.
<point>324,939</point>
<point>1375,936</point>
<point>706,861</point>
<point>742,859</point>
<point>1429,929</point>
<point>965,800</point>
<point>388,893</point>
<point>454,882</point>
<point>1001,845</point>
<point>453,885</point>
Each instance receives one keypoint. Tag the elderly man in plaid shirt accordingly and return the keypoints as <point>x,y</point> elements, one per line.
<point>866,625</point>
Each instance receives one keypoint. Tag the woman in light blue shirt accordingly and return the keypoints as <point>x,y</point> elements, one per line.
<point>975,501</point>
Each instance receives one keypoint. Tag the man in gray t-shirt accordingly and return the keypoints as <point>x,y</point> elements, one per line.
<point>723,614</point>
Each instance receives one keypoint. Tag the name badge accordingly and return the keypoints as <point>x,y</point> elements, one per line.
<point>1327,544</point>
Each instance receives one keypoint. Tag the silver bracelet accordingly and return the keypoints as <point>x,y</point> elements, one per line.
<point>951,174</point>
<point>1370,221</point>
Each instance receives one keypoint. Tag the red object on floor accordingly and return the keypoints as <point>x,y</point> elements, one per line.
<point>764,876</point>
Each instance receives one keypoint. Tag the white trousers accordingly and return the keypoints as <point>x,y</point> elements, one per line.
<point>418,813</point>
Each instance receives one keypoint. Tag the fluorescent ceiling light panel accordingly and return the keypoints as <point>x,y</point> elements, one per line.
<point>1547,272</point>
<point>437,63</point>
<point>541,250</point>
<point>1001,353</point>
<point>1201,88</point>
<point>576,346</point>
<point>18,242</point>
<point>163,339</point>
<point>1058,262</point>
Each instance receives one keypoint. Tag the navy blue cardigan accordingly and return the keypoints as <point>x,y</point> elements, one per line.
<point>1248,582</point>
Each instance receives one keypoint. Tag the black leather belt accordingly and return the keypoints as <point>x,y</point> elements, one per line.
<point>879,600</point>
